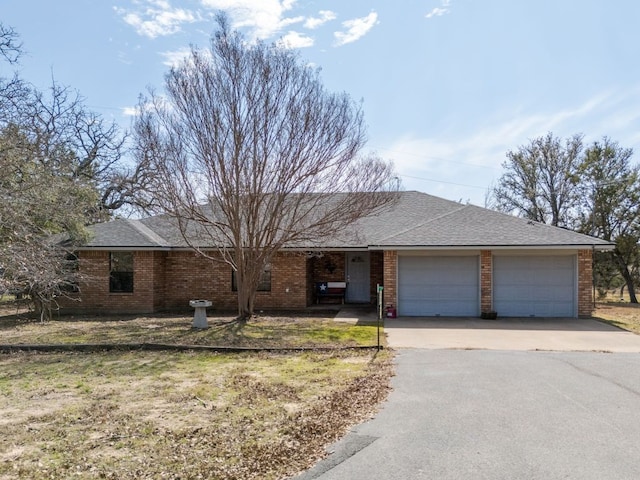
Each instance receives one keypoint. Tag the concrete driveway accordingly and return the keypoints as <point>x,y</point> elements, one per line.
<point>509,334</point>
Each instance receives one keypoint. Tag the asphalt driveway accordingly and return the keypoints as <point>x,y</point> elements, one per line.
<point>555,334</point>
<point>489,414</point>
<point>500,399</point>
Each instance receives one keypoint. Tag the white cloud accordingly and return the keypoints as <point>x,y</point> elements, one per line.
<point>295,40</point>
<point>324,16</point>
<point>355,29</point>
<point>157,19</point>
<point>265,18</point>
<point>262,19</point>
<point>174,57</point>
<point>130,111</point>
<point>439,11</point>
<point>463,164</point>
<point>151,104</point>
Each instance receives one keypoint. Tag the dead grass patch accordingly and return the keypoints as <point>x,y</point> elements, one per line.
<point>151,414</point>
<point>129,415</point>
<point>622,315</point>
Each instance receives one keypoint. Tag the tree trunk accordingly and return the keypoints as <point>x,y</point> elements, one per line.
<point>42,307</point>
<point>246,297</point>
<point>626,274</point>
<point>244,306</point>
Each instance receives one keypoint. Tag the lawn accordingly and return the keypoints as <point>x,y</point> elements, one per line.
<point>187,414</point>
<point>622,315</point>
<point>267,331</point>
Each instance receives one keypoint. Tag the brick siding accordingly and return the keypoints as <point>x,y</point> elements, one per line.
<point>95,295</point>
<point>390,292</point>
<point>168,280</point>
<point>585,283</point>
<point>486,281</point>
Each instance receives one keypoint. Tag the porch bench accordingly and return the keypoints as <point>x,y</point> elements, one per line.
<point>330,290</point>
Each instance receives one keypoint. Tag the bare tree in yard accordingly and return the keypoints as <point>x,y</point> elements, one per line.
<point>611,206</point>
<point>541,180</point>
<point>253,154</point>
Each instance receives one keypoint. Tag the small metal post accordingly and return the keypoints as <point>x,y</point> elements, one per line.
<point>379,289</point>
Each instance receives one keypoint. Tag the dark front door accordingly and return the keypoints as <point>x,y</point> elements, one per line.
<point>358,277</point>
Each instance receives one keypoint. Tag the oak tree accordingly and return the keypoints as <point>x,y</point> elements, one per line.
<point>610,207</point>
<point>60,169</point>
<point>540,180</point>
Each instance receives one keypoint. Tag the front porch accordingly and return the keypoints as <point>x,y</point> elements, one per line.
<point>359,271</point>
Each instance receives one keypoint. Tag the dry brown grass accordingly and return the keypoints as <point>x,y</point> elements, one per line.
<point>141,414</point>
<point>622,315</point>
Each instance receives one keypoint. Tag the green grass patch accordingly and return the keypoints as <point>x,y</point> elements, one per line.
<point>265,331</point>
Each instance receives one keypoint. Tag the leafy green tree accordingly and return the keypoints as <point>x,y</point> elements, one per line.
<point>60,169</point>
<point>595,191</point>
<point>540,180</point>
<point>39,206</point>
<point>251,152</point>
<point>610,209</point>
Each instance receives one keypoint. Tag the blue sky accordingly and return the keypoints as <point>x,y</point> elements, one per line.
<point>448,86</point>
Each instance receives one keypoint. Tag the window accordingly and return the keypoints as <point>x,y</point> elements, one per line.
<point>121,272</point>
<point>71,274</point>
<point>263,286</point>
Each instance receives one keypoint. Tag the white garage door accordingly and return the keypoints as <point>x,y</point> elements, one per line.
<point>534,286</point>
<point>438,286</point>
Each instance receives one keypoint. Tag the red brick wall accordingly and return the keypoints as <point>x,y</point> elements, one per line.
<point>190,276</point>
<point>159,291</point>
<point>95,295</point>
<point>390,277</point>
<point>328,268</point>
<point>168,280</point>
<point>486,281</point>
<point>288,285</point>
<point>585,283</point>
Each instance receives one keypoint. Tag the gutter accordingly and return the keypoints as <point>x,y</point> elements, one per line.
<point>605,247</point>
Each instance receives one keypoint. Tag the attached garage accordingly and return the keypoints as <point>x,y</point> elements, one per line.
<point>535,286</point>
<point>438,286</point>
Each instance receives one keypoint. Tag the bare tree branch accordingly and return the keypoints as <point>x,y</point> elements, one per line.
<point>10,45</point>
<point>252,154</point>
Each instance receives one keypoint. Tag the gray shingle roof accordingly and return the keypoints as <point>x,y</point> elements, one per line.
<point>416,220</point>
<point>125,233</point>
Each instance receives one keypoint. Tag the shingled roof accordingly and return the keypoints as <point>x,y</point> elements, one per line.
<point>417,220</point>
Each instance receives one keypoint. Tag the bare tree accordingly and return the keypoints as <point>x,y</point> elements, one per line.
<point>540,182</point>
<point>10,44</point>
<point>253,155</point>
<point>13,90</point>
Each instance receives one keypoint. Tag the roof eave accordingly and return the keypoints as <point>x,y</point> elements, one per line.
<point>597,247</point>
